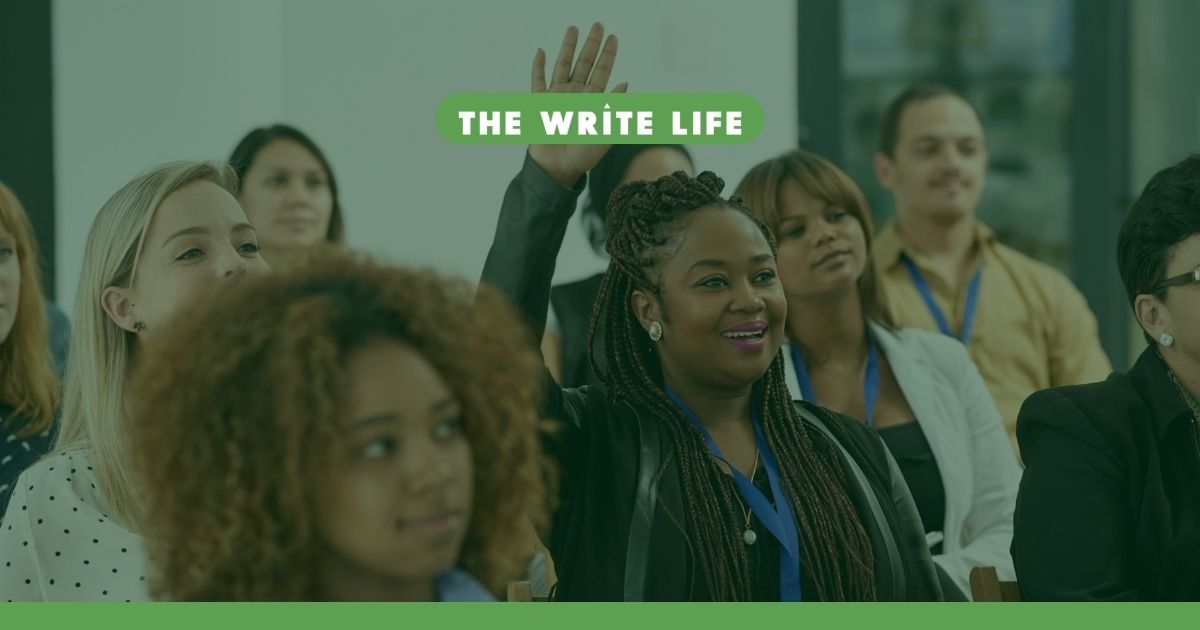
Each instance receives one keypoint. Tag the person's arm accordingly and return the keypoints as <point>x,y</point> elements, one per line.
<point>552,346</point>
<point>533,221</point>
<point>552,355</point>
<point>1073,337</point>
<point>1072,531</point>
<point>996,478</point>
<point>541,199</point>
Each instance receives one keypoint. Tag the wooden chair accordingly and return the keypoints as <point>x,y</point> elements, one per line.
<point>987,587</point>
<point>523,592</point>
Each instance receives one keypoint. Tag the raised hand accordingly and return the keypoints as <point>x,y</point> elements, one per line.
<point>568,162</point>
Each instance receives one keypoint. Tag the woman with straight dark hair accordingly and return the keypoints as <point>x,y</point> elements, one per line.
<point>288,190</point>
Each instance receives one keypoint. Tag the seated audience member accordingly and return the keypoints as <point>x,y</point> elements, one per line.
<point>288,191</point>
<point>343,431</point>
<point>70,532</point>
<point>1109,507</point>
<point>28,383</point>
<point>1025,325</point>
<point>918,389</point>
<point>690,475</point>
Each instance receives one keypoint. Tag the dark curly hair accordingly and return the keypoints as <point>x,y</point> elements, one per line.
<point>236,408</point>
<point>645,221</point>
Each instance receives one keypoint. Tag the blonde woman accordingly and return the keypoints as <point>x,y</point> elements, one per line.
<point>28,384</point>
<point>70,529</point>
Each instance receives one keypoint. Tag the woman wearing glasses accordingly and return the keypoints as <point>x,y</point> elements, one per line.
<point>1109,506</point>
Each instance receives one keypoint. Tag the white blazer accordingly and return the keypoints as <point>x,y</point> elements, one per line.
<point>979,470</point>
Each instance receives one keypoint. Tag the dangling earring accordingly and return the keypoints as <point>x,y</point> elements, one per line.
<point>655,331</point>
<point>1166,340</point>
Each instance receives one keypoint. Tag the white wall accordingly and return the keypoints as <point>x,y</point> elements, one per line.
<point>139,82</point>
<point>144,81</point>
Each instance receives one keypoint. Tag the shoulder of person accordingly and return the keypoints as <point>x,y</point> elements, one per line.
<point>946,355</point>
<point>61,476</point>
<point>1047,280</point>
<point>929,344</point>
<point>1104,415</point>
<point>861,442</point>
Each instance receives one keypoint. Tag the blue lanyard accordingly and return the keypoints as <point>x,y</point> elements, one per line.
<point>938,317</point>
<point>870,378</point>
<point>779,520</point>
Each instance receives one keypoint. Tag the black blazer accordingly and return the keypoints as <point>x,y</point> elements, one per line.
<point>1109,506</point>
<point>572,303</point>
<point>614,534</point>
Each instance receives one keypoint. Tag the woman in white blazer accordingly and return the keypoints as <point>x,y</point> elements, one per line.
<point>918,389</point>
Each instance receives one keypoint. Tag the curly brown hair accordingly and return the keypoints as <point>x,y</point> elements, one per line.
<point>236,407</point>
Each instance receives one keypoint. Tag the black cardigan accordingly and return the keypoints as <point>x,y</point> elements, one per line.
<point>617,532</point>
<point>1109,506</point>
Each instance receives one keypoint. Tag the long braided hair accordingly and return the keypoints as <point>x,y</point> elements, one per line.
<point>645,220</point>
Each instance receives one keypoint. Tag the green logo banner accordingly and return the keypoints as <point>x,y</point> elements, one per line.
<point>545,118</point>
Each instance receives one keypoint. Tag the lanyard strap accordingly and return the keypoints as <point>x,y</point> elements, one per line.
<point>870,378</point>
<point>938,317</point>
<point>779,519</point>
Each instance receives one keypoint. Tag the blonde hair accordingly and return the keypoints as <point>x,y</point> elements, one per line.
<point>28,383</point>
<point>100,352</point>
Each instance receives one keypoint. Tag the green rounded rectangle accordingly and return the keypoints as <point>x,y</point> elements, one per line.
<point>555,118</point>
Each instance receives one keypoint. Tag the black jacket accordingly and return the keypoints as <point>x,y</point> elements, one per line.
<point>572,303</point>
<point>1109,506</point>
<point>617,534</point>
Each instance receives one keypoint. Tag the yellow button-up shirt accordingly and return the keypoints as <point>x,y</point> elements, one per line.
<point>1033,329</point>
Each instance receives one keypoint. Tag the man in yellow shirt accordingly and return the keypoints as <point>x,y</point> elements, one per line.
<point>1025,325</point>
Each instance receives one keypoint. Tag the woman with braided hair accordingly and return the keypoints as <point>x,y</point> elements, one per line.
<point>690,474</point>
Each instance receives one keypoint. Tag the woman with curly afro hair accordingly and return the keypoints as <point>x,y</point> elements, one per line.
<point>340,431</point>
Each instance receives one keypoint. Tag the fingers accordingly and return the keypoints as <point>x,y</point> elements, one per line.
<point>566,53</point>
<point>587,57</point>
<point>538,76</point>
<point>621,89</point>
<point>604,66</point>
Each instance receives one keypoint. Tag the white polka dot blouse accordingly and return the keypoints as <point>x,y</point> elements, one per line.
<point>57,542</point>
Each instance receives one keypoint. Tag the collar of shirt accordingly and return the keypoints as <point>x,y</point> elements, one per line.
<point>889,246</point>
<point>457,585</point>
<point>1150,376</point>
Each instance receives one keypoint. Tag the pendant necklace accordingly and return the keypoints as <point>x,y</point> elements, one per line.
<point>748,535</point>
